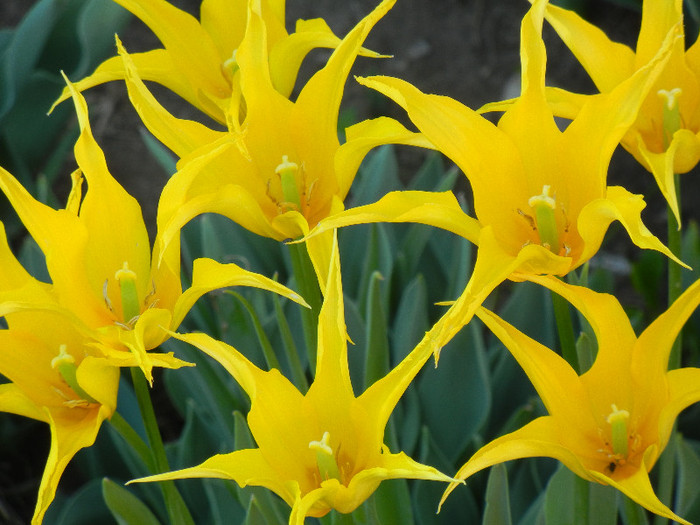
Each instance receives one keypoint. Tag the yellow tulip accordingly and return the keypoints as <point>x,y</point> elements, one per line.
<point>324,449</point>
<point>100,263</point>
<point>541,200</point>
<point>198,60</point>
<point>665,138</point>
<point>610,424</point>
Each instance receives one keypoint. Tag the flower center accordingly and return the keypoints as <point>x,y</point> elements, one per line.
<point>544,222</point>
<point>325,459</point>
<point>229,67</point>
<point>287,172</point>
<point>617,419</point>
<point>671,113</point>
<point>131,308</point>
<point>65,364</point>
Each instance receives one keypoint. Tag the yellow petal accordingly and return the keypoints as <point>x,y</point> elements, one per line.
<point>658,18</point>
<point>433,209</point>
<point>181,136</point>
<point>625,207</point>
<point>538,438</point>
<point>208,275</point>
<point>361,138</point>
<point>638,488</point>
<point>607,62</point>
<point>69,434</point>
<point>14,401</point>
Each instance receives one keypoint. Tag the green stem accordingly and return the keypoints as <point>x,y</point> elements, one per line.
<point>667,467</point>
<point>298,374</point>
<point>132,438</point>
<point>581,500</point>
<point>309,289</point>
<point>174,504</point>
<point>675,279</point>
<point>565,328</point>
<point>632,511</point>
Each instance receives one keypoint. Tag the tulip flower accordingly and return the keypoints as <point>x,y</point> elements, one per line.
<point>198,60</point>
<point>99,259</point>
<point>282,170</point>
<point>541,199</point>
<point>324,449</point>
<point>665,137</point>
<point>610,424</point>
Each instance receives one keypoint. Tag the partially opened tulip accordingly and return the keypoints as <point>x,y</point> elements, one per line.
<point>99,259</point>
<point>610,424</point>
<point>198,60</point>
<point>282,169</point>
<point>541,199</point>
<point>324,449</point>
<point>665,137</point>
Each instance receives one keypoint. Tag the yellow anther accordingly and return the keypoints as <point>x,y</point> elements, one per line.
<point>544,206</point>
<point>65,364</point>
<point>325,459</point>
<point>672,114</point>
<point>287,171</point>
<point>618,424</point>
<point>131,307</point>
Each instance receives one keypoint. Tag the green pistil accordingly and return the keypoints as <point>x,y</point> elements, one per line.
<point>230,66</point>
<point>325,459</point>
<point>544,206</point>
<point>131,307</point>
<point>65,364</point>
<point>618,423</point>
<point>672,114</point>
<point>287,171</point>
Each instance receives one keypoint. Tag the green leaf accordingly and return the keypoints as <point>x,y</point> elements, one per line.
<point>377,349</point>
<point>392,503</point>
<point>377,176</point>
<point>687,495</point>
<point>570,499</point>
<point>455,396</point>
<point>497,510</point>
<point>96,25</point>
<point>126,508</point>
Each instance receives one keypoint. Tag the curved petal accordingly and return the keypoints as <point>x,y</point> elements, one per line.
<point>245,467</point>
<point>208,275</point>
<point>317,105</point>
<point>191,48</point>
<point>684,390</point>
<point>155,66</point>
<point>538,438</point>
<point>433,209</point>
<point>607,62</point>
<point>181,136</point>
<point>654,344</point>
<point>14,401</point>
<point>625,207</point>
<point>364,136</point>
<point>638,488</point>
<point>658,18</point>
<point>682,153</point>
<point>460,133</point>
<point>69,434</point>
<point>556,382</point>
<point>224,21</point>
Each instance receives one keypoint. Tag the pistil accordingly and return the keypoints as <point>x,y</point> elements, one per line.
<point>65,364</point>
<point>131,307</point>
<point>544,205</point>
<point>287,171</point>
<point>618,423</point>
<point>325,459</point>
<point>672,114</point>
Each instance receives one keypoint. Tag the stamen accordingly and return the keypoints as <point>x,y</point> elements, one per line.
<point>672,114</point>
<point>544,206</point>
<point>65,363</point>
<point>287,171</point>
<point>618,423</point>
<point>131,307</point>
<point>325,459</point>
